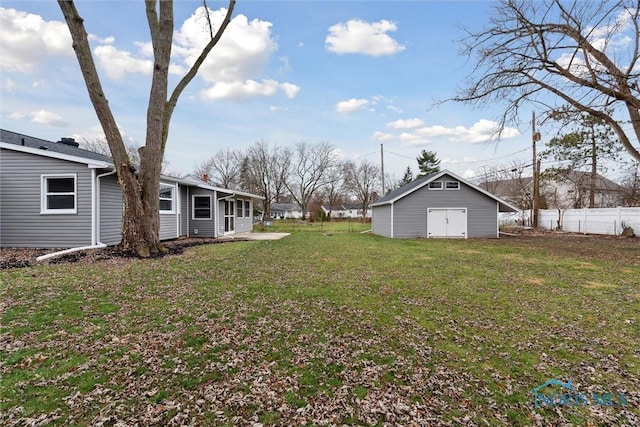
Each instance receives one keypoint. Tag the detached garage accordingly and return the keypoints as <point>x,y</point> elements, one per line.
<point>441,205</point>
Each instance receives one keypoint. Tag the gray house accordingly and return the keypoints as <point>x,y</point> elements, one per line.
<point>57,195</point>
<point>441,205</point>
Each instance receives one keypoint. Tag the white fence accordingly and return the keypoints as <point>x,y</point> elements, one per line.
<point>588,221</point>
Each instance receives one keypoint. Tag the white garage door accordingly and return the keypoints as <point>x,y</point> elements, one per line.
<point>447,222</point>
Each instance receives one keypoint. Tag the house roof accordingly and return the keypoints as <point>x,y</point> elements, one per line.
<point>342,207</point>
<point>29,144</point>
<point>285,207</point>
<point>197,182</point>
<point>48,147</point>
<point>409,188</point>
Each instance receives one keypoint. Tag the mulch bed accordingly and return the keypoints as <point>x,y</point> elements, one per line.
<point>21,257</point>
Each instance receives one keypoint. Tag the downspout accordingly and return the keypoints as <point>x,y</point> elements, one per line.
<point>94,207</point>
<point>189,210</point>
<point>215,213</point>
<point>497,220</point>
<point>179,210</point>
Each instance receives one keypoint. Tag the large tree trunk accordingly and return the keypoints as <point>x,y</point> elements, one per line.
<point>140,189</point>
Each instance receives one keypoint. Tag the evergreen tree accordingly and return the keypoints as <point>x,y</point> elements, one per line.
<point>428,163</point>
<point>406,178</point>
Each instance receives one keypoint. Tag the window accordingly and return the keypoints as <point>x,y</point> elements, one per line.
<point>436,185</point>
<point>201,207</point>
<point>452,185</point>
<point>59,193</point>
<point>239,211</point>
<point>166,198</point>
<point>247,208</point>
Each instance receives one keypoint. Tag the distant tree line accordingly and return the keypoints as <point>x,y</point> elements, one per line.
<point>307,174</point>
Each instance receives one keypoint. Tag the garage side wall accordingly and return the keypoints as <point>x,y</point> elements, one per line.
<point>381,220</point>
<point>410,212</point>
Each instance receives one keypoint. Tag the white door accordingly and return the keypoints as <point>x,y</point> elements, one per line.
<point>447,222</point>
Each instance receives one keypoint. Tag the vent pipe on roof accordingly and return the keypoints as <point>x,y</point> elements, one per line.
<point>69,141</point>
<point>22,141</point>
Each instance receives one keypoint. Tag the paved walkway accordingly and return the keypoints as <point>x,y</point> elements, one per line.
<point>259,236</point>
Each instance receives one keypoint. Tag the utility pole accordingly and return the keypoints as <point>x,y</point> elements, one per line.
<point>382,167</point>
<point>535,136</point>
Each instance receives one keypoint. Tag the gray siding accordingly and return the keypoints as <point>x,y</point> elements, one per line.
<point>410,212</point>
<point>21,223</point>
<point>381,220</point>
<point>170,222</point>
<point>244,224</point>
<point>205,227</point>
<point>111,207</point>
<point>185,206</point>
<point>168,226</point>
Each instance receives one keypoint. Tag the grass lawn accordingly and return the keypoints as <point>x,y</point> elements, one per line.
<point>330,327</point>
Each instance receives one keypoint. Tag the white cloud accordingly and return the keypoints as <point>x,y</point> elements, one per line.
<point>382,136</point>
<point>48,118</point>
<point>243,51</point>
<point>26,40</point>
<point>351,105</point>
<point>8,85</point>
<point>413,139</point>
<point>405,124</point>
<point>118,63</point>
<point>248,89</point>
<point>367,38</point>
<point>17,115</point>
<point>481,131</point>
<point>237,61</point>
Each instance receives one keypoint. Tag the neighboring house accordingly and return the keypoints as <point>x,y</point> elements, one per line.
<point>517,191</point>
<point>57,195</point>
<point>572,190</point>
<point>558,190</point>
<point>438,205</point>
<point>345,210</point>
<point>286,211</point>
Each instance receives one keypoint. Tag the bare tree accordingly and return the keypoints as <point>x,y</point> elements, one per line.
<point>100,146</point>
<point>222,169</point>
<point>264,170</point>
<point>141,187</point>
<point>631,186</point>
<point>509,181</point>
<point>334,187</point>
<point>362,179</point>
<point>553,53</point>
<point>309,171</point>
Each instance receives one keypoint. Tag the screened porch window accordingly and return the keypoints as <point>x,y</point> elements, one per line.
<point>247,208</point>
<point>239,210</point>
<point>59,194</point>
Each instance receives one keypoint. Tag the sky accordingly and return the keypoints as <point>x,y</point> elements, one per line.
<point>356,74</point>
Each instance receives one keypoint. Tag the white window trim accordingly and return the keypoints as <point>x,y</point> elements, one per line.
<point>436,182</point>
<point>174,188</point>
<point>43,194</point>
<point>240,207</point>
<point>193,208</point>
<point>247,208</point>
<point>452,182</point>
